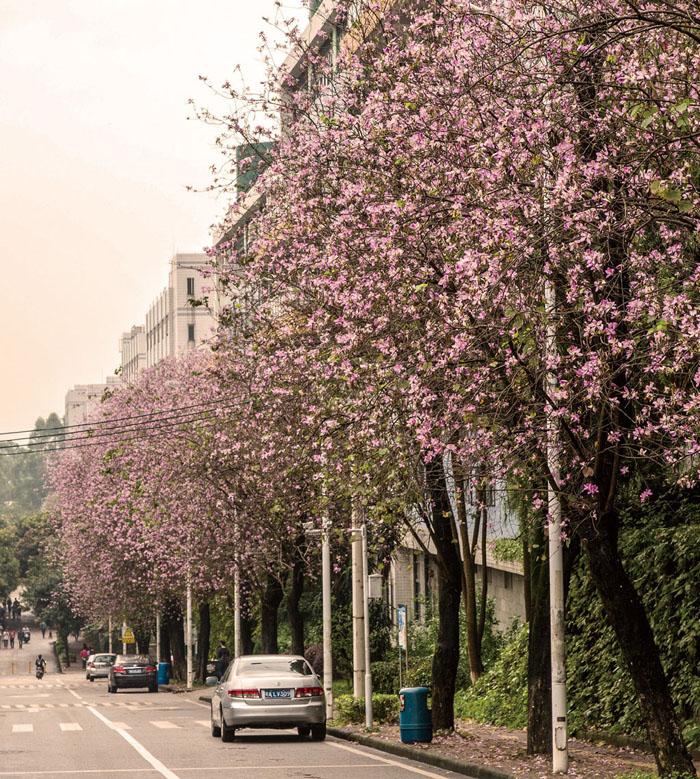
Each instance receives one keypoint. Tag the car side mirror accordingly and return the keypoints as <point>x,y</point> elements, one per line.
<point>211,681</point>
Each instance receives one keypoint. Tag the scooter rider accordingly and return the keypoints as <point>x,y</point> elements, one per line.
<point>40,664</point>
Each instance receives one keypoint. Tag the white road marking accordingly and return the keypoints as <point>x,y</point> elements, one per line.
<point>69,726</point>
<point>204,722</point>
<point>22,728</point>
<point>145,754</point>
<point>119,726</point>
<point>164,724</point>
<point>396,763</point>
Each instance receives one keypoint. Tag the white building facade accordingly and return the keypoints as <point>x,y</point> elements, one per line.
<point>84,400</point>
<point>173,324</point>
<point>132,347</point>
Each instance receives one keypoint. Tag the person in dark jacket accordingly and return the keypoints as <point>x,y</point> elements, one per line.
<point>223,658</point>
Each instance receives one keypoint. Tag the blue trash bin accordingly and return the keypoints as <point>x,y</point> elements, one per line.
<point>415,718</point>
<point>163,673</point>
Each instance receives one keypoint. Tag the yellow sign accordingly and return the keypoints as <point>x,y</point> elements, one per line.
<point>128,637</point>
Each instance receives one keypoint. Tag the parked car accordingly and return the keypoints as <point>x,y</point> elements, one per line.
<point>97,666</point>
<point>269,691</point>
<point>132,671</point>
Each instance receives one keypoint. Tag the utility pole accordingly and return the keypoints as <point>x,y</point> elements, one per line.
<point>369,716</point>
<point>157,637</point>
<point>188,633</point>
<point>359,664</point>
<point>326,592</point>
<point>560,754</point>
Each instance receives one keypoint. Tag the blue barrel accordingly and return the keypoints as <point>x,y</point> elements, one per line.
<point>415,718</point>
<point>163,673</point>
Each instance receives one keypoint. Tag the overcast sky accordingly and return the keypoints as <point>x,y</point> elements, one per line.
<point>96,153</point>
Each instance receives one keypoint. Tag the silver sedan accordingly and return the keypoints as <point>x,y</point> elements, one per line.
<point>269,691</point>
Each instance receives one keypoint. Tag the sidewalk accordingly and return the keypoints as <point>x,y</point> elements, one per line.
<point>18,662</point>
<point>490,752</point>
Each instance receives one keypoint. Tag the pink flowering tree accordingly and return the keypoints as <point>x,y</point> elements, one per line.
<point>459,162</point>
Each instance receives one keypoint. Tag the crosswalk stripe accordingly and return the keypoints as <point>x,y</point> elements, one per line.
<point>164,724</point>
<point>22,728</point>
<point>204,722</point>
<point>69,726</point>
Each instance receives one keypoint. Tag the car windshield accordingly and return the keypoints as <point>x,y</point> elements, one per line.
<point>121,659</point>
<point>274,667</point>
<point>103,658</point>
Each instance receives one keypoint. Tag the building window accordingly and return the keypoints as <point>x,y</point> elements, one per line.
<point>507,580</point>
<point>416,586</point>
<point>190,332</point>
<point>190,286</point>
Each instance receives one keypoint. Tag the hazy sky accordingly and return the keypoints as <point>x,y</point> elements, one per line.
<point>95,156</point>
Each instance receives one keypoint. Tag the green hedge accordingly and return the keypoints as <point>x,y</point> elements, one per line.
<point>351,711</point>
<point>500,696</point>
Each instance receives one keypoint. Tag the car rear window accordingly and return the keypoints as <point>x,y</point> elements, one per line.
<point>273,667</point>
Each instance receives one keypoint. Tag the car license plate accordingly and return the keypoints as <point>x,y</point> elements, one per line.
<point>277,693</point>
<point>134,671</point>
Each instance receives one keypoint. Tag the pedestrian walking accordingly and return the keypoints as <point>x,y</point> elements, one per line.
<point>5,638</point>
<point>12,639</point>
<point>20,638</point>
<point>43,629</point>
<point>222,659</point>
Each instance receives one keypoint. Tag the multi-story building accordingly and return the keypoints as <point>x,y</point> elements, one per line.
<point>173,324</point>
<point>83,401</point>
<point>132,347</point>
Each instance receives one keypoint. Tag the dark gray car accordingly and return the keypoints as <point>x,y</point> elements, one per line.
<point>133,671</point>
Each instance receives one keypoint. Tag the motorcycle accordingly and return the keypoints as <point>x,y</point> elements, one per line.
<point>39,673</point>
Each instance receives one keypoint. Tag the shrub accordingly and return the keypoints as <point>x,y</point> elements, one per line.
<point>500,696</point>
<point>351,711</point>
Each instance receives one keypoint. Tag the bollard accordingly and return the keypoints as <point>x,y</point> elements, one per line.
<point>29,667</point>
<point>13,669</point>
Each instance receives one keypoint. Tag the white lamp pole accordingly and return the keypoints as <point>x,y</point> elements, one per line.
<point>157,637</point>
<point>188,631</point>
<point>326,591</point>
<point>368,670</point>
<point>560,752</point>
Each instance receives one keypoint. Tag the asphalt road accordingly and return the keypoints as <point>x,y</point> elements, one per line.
<point>65,726</point>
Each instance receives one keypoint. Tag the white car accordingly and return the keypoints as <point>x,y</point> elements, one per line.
<point>97,666</point>
<point>269,691</point>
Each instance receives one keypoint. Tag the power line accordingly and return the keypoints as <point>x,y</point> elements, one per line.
<point>49,431</point>
<point>124,436</point>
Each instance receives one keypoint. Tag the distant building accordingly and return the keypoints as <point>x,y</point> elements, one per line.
<point>173,324</point>
<point>132,347</point>
<point>84,400</point>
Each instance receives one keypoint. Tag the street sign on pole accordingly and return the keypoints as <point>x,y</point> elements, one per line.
<point>401,622</point>
<point>128,636</point>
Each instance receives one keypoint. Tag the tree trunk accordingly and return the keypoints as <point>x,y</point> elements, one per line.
<point>164,640</point>
<point>446,657</point>
<point>142,635</point>
<point>296,619</point>
<point>539,671</point>
<point>627,616</point>
<point>203,641</point>
<point>64,636</point>
<point>468,575</point>
<point>176,631</point>
<point>270,600</point>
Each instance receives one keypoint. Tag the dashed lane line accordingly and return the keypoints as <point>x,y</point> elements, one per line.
<point>145,754</point>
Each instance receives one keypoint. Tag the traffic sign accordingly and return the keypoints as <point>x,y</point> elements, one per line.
<point>128,636</point>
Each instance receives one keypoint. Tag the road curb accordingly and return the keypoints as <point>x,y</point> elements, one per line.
<point>407,751</point>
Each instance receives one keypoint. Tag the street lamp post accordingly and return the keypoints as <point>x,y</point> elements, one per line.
<point>188,630</point>
<point>368,670</point>
<point>326,597</point>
